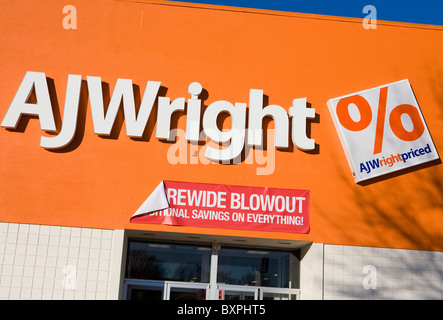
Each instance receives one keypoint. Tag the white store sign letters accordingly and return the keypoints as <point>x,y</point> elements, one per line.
<point>136,123</point>
<point>382,129</point>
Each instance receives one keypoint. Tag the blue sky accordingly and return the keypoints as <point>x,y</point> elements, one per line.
<point>413,11</point>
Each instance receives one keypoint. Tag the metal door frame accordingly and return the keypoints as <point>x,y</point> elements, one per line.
<point>163,285</point>
<point>229,287</point>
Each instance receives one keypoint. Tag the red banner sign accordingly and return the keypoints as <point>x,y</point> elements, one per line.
<point>226,207</point>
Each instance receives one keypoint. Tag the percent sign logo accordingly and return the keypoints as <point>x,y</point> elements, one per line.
<point>366,117</point>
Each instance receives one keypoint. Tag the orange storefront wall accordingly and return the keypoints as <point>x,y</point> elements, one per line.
<point>100,182</point>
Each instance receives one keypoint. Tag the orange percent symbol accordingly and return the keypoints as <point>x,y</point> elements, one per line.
<point>365,120</point>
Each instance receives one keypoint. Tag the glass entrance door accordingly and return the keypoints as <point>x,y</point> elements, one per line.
<point>175,290</point>
<point>279,294</point>
<point>231,292</point>
<point>165,290</point>
<point>186,291</point>
<point>144,290</point>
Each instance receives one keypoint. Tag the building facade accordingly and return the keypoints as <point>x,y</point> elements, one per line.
<point>163,150</point>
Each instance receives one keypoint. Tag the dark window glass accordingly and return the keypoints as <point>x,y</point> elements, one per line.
<point>173,262</point>
<point>257,268</point>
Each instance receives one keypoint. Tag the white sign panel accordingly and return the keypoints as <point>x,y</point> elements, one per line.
<point>382,130</point>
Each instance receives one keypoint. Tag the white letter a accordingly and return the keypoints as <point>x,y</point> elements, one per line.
<point>20,106</point>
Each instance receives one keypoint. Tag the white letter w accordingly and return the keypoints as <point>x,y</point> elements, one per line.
<point>123,91</point>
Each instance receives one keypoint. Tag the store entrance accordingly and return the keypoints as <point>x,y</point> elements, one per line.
<point>164,271</point>
<point>170,290</point>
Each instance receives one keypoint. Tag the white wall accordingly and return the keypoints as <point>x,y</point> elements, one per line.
<point>311,272</point>
<point>51,262</point>
<point>352,272</point>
